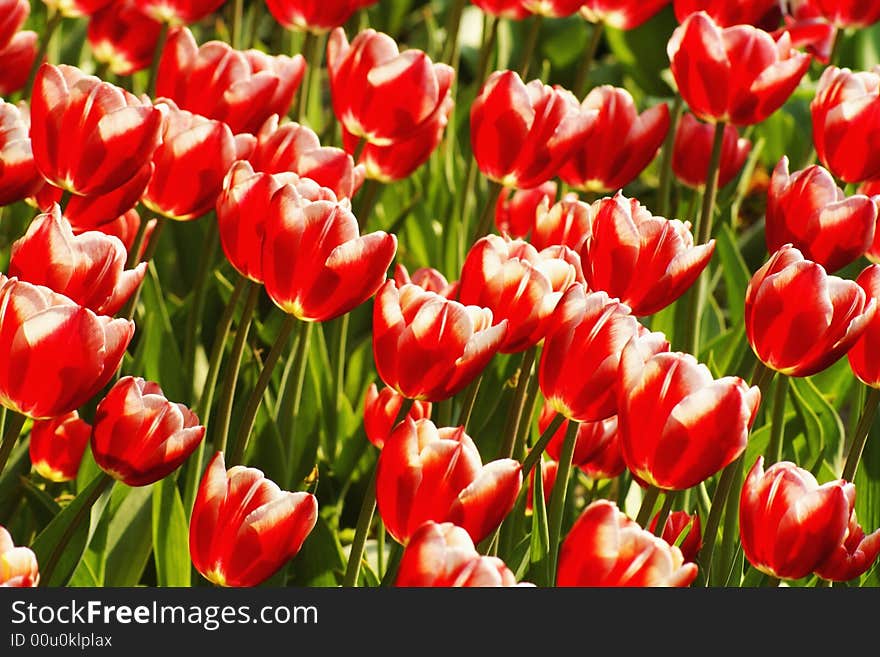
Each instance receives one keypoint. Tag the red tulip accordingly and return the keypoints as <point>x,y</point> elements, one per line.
<point>244,528</point>
<point>516,209</point>
<point>123,37</point>
<point>862,355</point>
<point>627,140</point>
<point>179,12</point>
<point>13,14</point>
<point>519,284</point>
<point>681,523</point>
<point>808,209</point>
<point>815,35</point>
<point>382,411</point>
<point>242,89</point>
<point>88,136</point>
<point>57,354</point>
<point>552,8</point>
<point>678,424</point>
<point>18,565</point>
<point>605,548</point>
<point>57,446</point>
<point>511,9</point>
<point>425,473</point>
<point>294,147</point>
<point>568,222</point>
<point>316,265</point>
<point>848,13</point>
<point>16,60</point>
<point>853,557</point>
<point>593,438</point>
<point>139,437</point>
<point>428,347</point>
<point>760,13</point>
<point>789,524</point>
<point>76,8</point>
<point>522,133</point>
<point>428,279</point>
<point>19,177</point>
<point>578,371</point>
<point>645,261</point>
<point>692,151</point>
<point>798,319</point>
<point>621,14</point>
<point>737,74</point>
<point>443,555</point>
<point>846,116</point>
<point>314,15</point>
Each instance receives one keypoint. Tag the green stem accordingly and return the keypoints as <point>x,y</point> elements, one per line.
<point>525,61</point>
<point>14,423</point>
<point>233,366</point>
<point>341,341</point>
<point>534,455</point>
<point>558,495</point>
<point>390,575</point>
<point>490,36</point>
<point>365,518</point>
<point>450,51</point>
<point>665,191</point>
<point>48,32</point>
<point>367,197</point>
<point>649,500</point>
<point>131,306</point>
<point>194,317</point>
<point>157,57</point>
<point>237,16</point>
<point>138,244</point>
<point>582,75</point>
<point>515,412</point>
<point>668,501</point>
<point>730,533</point>
<point>777,427</point>
<point>313,65</point>
<point>771,582</point>
<point>526,422</point>
<point>860,437</point>
<point>256,398</point>
<point>291,397</point>
<point>485,223</point>
<point>380,548</point>
<point>470,398</point>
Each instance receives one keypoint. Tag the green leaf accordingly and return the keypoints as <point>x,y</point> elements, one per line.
<point>735,273</point>
<point>42,505</point>
<point>130,538</point>
<point>822,425</point>
<point>10,481</point>
<point>170,535</point>
<point>539,547</point>
<point>321,560</point>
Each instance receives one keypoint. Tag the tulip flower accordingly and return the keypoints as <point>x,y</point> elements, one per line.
<point>645,261</point>
<point>568,222</point>
<point>16,59</point>
<point>578,372</point>
<point>316,265</point>
<point>789,524</point>
<point>808,30</point>
<point>798,319</point>
<point>677,524</point>
<point>428,347</point>
<point>522,133</point>
<point>848,13</point>
<point>593,438</point>
<point>58,355</point>
<point>621,14</point>
<point>294,147</point>
<point>316,16</point>
<point>139,437</point>
<point>76,8</point>
<point>13,14</point>
<point>244,528</point>
<point>516,209</point>
<point>853,557</point>
<point>179,12</point>
<point>808,209</point>
<point>678,424</point>
<point>692,151</point>
<point>605,548</point>
<point>242,89</point>
<point>846,116</point>
<point>88,268</point>
<point>89,137</point>
<point>428,279</point>
<point>18,565</point>
<point>19,177</point>
<point>736,74</point>
<point>382,411</point>
<point>123,37</point>
<point>862,355</point>
<point>627,141</point>
<point>552,8</point>
<point>425,473</point>
<point>57,446</point>
<point>510,9</point>
<point>760,13</point>
<point>519,284</point>
<point>443,555</point>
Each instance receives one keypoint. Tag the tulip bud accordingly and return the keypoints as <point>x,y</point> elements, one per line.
<point>123,37</point>
<point>179,12</point>
<point>516,209</point>
<point>18,565</point>
<point>19,177</point>
<point>57,446</point>
<point>382,410</point>
<point>760,13</point>
<point>316,16</point>
<point>16,60</point>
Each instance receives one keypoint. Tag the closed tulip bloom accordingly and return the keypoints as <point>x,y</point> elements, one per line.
<point>692,151</point>
<point>626,140</point>
<point>123,37</point>
<point>607,463</point>
<point>19,177</point>
<point>592,437</point>
<point>519,284</point>
<point>294,147</point>
<point>89,137</point>
<point>736,74</point>
<point>242,89</point>
<point>314,15</point>
<point>621,14</point>
<point>552,8</point>
<point>578,371</point>
<point>443,555</point>
<point>862,355</point>
<point>18,565</point>
<point>139,436</point>
<point>605,548</point>
<point>522,133</point>
<point>848,13</point>
<point>798,319</point>
<point>179,12</point>
<point>382,413</point>
<point>88,268</point>
<point>645,261</point>
<point>516,209</point>
<point>425,473</point>
<point>76,8</point>
<point>511,9</point>
<point>13,14</point>
<point>316,265</point>
<point>846,116</point>
<point>853,557</point>
<point>678,424</point>
<point>428,347</point>
<point>428,279</point>
<point>808,209</point>
<point>681,523</point>
<point>243,527</point>
<point>568,222</point>
<point>789,524</point>
<point>810,32</point>
<point>57,353</point>
<point>57,446</point>
<point>16,60</point>
<point>760,13</point>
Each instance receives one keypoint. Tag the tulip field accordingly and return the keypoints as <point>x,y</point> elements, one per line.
<point>439,293</point>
